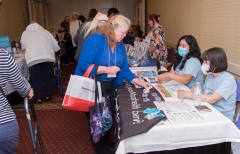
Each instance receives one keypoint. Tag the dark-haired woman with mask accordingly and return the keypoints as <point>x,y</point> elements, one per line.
<point>187,65</point>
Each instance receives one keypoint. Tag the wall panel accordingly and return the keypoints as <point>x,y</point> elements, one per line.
<point>14,18</point>
<point>213,23</point>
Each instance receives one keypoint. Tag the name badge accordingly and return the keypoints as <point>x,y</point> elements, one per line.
<point>111,75</point>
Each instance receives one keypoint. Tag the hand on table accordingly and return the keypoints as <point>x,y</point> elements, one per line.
<point>144,84</point>
<point>183,94</point>
<point>192,89</point>
<point>31,93</point>
<point>163,78</point>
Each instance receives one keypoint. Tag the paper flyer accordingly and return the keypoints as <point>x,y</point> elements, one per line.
<point>146,73</point>
<point>178,112</point>
<point>180,117</point>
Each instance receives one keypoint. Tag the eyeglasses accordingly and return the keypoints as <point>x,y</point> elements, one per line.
<point>124,33</point>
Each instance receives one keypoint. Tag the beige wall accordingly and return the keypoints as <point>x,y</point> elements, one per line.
<point>62,8</point>
<point>212,22</point>
<point>13,18</point>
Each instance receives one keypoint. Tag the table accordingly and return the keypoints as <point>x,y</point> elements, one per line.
<point>23,68</point>
<point>214,128</point>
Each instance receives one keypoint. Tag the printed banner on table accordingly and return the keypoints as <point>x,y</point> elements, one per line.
<point>130,119</point>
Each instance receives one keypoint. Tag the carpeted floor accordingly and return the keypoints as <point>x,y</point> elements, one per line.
<point>62,131</point>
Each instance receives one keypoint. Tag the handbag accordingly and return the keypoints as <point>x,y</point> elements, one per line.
<point>100,117</point>
<point>80,93</point>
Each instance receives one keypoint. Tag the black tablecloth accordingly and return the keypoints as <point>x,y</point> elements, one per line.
<point>130,119</point>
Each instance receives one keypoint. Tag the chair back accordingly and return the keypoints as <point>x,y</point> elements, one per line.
<point>171,58</point>
<point>236,116</point>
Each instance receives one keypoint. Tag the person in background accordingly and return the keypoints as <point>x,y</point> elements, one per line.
<point>140,33</point>
<point>79,37</point>
<point>112,12</point>
<point>109,53</point>
<point>81,18</point>
<point>98,21</point>
<point>40,56</point>
<point>133,31</point>
<point>65,22</point>
<point>220,87</point>
<point>9,129</point>
<point>74,26</point>
<point>157,49</point>
<point>68,56</point>
<point>131,36</point>
<point>187,65</point>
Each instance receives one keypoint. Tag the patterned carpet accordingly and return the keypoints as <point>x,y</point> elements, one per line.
<point>62,131</point>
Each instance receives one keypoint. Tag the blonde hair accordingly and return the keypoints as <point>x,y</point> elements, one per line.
<point>94,23</point>
<point>114,23</point>
<point>75,15</point>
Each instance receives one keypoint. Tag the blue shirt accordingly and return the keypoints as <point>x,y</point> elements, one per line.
<point>224,85</point>
<point>96,51</point>
<point>192,67</point>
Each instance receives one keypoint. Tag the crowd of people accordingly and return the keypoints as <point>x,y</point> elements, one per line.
<point>109,54</point>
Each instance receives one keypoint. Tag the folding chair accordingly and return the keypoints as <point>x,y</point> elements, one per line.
<point>171,58</point>
<point>36,133</point>
<point>236,116</point>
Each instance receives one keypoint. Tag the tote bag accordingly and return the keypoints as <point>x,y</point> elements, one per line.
<point>80,94</point>
<point>100,117</point>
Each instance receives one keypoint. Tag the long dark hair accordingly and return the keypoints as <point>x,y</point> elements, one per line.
<point>194,51</point>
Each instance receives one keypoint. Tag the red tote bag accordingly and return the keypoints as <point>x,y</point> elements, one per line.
<point>80,93</point>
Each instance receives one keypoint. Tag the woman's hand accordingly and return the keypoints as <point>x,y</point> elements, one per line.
<point>31,93</point>
<point>144,84</point>
<point>192,89</point>
<point>163,78</point>
<point>112,70</point>
<point>184,94</point>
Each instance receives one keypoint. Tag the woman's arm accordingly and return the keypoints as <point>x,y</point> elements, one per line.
<point>204,97</point>
<point>165,77</point>
<point>184,79</point>
<point>15,78</point>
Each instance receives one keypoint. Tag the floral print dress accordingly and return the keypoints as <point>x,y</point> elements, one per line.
<point>157,37</point>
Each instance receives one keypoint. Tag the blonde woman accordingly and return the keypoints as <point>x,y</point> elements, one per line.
<point>98,21</point>
<point>107,50</point>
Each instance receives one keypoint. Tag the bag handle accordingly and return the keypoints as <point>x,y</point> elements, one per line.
<point>96,86</point>
<point>88,71</point>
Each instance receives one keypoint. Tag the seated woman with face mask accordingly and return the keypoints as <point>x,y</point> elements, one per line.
<point>187,65</point>
<point>219,88</point>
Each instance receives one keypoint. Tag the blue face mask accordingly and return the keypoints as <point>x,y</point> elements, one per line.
<point>182,52</point>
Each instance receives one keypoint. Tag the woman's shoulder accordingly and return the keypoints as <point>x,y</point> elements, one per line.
<point>193,60</point>
<point>96,38</point>
<point>159,28</point>
<point>228,76</point>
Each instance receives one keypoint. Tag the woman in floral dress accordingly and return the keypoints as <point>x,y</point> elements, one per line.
<point>157,49</point>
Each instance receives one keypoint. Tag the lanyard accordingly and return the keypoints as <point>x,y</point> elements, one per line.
<point>109,56</point>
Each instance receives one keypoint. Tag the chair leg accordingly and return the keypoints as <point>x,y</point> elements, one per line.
<point>235,118</point>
